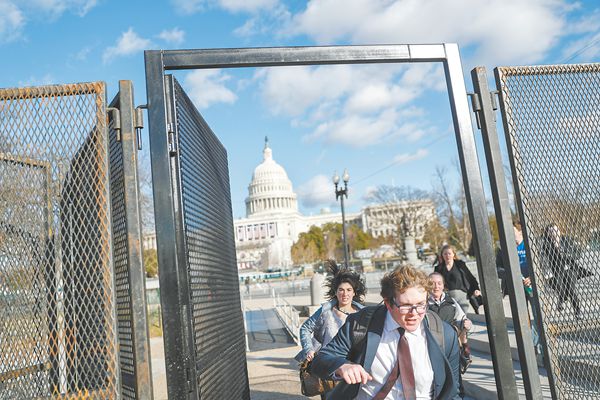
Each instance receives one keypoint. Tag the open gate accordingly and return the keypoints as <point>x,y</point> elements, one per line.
<point>64,321</point>
<point>552,130</point>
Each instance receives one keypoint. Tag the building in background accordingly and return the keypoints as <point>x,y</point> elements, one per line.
<point>264,238</point>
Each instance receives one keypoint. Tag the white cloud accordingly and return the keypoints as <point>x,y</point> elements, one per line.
<point>356,106</point>
<point>499,30</point>
<point>47,79</point>
<point>249,6</point>
<point>15,13</point>
<point>11,21</point>
<point>318,191</point>
<point>174,36</point>
<point>409,157</point>
<point>55,8</point>
<point>129,43</point>
<point>188,6</point>
<point>207,86</point>
<point>358,130</point>
<point>82,54</point>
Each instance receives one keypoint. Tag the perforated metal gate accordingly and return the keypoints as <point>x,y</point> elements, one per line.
<point>131,308</point>
<point>552,123</point>
<point>213,322</point>
<point>64,330</point>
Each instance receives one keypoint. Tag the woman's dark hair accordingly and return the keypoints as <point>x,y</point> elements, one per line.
<point>341,275</point>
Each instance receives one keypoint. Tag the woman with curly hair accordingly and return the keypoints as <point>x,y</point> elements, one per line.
<point>345,293</point>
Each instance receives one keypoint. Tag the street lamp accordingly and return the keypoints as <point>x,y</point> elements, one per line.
<point>341,193</point>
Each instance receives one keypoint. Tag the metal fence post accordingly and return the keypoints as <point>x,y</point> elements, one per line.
<point>510,258</point>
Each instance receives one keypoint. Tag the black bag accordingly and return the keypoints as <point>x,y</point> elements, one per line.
<point>312,385</point>
<point>464,358</point>
<point>476,302</point>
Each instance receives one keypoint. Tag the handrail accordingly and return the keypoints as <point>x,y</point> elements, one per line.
<point>288,315</point>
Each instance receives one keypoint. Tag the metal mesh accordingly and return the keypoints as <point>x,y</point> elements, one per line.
<point>121,263</point>
<point>552,115</point>
<point>57,333</point>
<point>214,290</point>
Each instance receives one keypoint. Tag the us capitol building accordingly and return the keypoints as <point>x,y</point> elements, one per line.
<point>264,238</point>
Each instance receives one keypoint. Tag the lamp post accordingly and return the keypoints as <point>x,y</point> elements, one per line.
<point>341,193</point>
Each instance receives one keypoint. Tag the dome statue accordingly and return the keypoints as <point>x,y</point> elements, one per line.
<point>270,190</point>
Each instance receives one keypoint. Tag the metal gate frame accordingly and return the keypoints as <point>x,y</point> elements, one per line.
<point>166,206</point>
<point>486,110</point>
<point>484,107</point>
<point>129,272</point>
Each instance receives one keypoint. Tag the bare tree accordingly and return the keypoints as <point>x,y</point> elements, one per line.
<point>452,207</point>
<point>146,197</point>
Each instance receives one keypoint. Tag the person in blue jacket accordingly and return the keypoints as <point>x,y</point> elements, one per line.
<point>399,357</point>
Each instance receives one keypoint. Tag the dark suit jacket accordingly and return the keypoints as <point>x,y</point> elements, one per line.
<point>445,363</point>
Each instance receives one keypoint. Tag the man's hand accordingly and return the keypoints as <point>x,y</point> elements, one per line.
<point>527,282</point>
<point>467,324</point>
<point>310,355</point>
<point>353,373</point>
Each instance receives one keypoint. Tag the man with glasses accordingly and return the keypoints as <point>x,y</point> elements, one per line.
<point>399,356</point>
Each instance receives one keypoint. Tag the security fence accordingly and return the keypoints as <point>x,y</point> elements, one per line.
<point>58,333</point>
<point>203,323</point>
<point>65,332</point>
<point>551,117</point>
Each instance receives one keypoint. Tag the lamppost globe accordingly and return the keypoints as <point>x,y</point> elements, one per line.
<point>345,177</point>
<point>336,179</point>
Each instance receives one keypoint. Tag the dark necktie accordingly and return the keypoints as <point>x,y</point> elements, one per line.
<point>402,368</point>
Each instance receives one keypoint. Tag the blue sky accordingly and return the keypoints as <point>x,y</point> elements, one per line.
<point>388,124</point>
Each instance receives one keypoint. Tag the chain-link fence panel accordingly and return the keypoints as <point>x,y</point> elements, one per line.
<point>552,123</point>
<point>57,319</point>
<point>217,321</point>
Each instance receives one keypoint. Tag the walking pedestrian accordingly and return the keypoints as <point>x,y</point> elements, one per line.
<point>345,292</point>
<point>460,282</point>
<point>395,353</point>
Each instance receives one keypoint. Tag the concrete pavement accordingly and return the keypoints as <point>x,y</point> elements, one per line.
<point>273,373</point>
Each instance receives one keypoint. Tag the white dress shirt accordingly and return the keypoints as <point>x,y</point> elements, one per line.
<point>386,358</point>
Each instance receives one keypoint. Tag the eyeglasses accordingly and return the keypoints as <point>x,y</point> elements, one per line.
<point>419,308</point>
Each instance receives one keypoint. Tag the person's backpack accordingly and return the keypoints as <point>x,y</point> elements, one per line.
<point>437,330</point>
<point>436,327</point>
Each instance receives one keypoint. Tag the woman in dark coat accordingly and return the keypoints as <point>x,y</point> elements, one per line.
<point>460,282</point>
<point>562,270</point>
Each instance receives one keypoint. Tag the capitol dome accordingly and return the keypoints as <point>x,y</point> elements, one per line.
<point>270,191</point>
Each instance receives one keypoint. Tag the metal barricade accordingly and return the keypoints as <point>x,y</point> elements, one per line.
<point>57,299</point>
<point>202,318</point>
<point>552,126</point>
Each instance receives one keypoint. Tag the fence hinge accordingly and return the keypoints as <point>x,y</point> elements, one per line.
<point>171,139</point>
<point>115,115</point>
<point>476,105</point>
<point>139,123</point>
<point>188,378</point>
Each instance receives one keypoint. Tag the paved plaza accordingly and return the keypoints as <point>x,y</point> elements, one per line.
<point>273,373</point>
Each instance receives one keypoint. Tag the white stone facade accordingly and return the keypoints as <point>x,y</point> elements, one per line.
<point>386,219</point>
